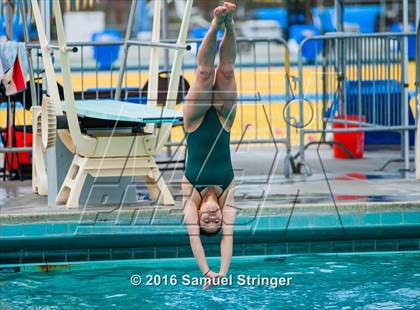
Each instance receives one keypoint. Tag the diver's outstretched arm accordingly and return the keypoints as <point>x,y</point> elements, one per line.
<point>190,203</point>
<point>226,244</point>
<point>199,254</point>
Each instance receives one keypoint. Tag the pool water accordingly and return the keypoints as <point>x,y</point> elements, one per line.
<point>318,282</point>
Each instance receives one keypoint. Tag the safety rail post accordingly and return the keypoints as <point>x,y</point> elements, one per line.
<point>405,137</point>
<point>289,160</point>
<point>302,162</point>
<point>125,49</point>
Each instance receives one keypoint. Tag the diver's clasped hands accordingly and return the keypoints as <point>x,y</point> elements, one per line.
<point>212,276</point>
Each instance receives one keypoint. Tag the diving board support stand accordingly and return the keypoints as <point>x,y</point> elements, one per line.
<point>153,88</point>
<point>39,171</point>
<point>144,167</point>
<point>172,94</point>
<point>51,158</point>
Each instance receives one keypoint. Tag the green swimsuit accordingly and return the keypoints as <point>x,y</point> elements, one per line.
<point>208,161</point>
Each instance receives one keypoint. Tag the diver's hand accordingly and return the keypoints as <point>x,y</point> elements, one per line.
<point>211,275</point>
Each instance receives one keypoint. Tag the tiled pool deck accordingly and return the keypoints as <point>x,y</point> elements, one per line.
<point>375,211</point>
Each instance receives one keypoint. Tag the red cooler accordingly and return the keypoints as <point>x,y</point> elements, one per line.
<point>353,141</point>
<point>20,158</point>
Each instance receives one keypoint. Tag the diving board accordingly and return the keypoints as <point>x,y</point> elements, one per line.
<point>106,155</point>
<point>115,110</point>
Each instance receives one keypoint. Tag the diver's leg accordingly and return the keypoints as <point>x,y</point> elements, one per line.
<point>199,97</point>
<point>225,83</point>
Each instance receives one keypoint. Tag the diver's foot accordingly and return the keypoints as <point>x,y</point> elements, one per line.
<point>219,16</point>
<point>231,8</point>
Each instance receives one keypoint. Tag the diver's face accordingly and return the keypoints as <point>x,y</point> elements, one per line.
<point>210,216</point>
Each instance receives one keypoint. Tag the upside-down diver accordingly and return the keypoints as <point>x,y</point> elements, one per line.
<point>209,112</point>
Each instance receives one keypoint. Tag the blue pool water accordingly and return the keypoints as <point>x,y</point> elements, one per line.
<point>318,282</point>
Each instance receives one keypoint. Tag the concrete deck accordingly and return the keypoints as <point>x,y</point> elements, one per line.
<point>261,186</point>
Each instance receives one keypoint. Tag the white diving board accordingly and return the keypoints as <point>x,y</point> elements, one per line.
<point>116,110</point>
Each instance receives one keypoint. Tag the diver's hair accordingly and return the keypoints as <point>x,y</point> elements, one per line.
<point>212,234</point>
